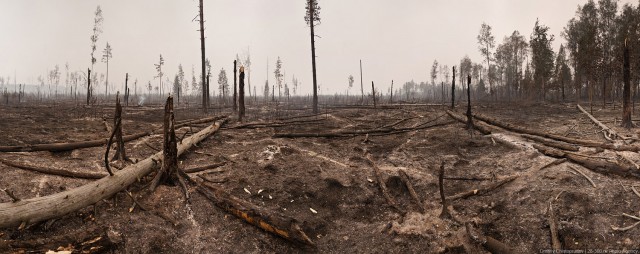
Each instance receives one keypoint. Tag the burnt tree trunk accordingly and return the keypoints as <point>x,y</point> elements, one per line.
<point>88,85</point>
<point>391,97</point>
<point>120,155</point>
<point>235,84</point>
<point>469,116</point>
<point>168,171</point>
<point>361,85</point>
<point>202,57</point>
<point>313,56</point>
<point>126,91</point>
<point>241,98</point>
<point>626,107</point>
<point>453,89</point>
<point>373,93</point>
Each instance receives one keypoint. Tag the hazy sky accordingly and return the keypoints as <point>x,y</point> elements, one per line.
<point>395,39</point>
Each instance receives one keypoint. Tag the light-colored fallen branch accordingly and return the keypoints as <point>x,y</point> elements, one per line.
<point>625,228</point>
<point>483,190</point>
<point>553,227</point>
<point>554,163</point>
<point>43,208</point>
<point>54,171</point>
<point>585,176</point>
<point>609,134</point>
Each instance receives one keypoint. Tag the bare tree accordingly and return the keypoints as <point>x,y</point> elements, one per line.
<point>205,93</point>
<point>312,16</point>
<point>278,75</point>
<point>97,30</point>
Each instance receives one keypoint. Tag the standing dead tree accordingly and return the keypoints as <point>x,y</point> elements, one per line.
<point>361,86</point>
<point>241,98</point>
<point>235,84</point>
<point>453,89</point>
<point>626,107</point>
<point>373,94</point>
<point>121,154</point>
<point>205,93</point>
<point>469,115</point>
<point>312,16</point>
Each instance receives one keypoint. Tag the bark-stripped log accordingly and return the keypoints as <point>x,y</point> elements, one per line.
<point>608,133</point>
<point>552,143</point>
<point>271,222</point>
<point>55,205</point>
<point>597,165</point>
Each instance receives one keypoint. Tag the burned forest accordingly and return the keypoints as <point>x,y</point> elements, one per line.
<point>504,132</point>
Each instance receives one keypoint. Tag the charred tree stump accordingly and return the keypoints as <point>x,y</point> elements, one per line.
<point>235,84</point>
<point>241,98</point>
<point>169,172</point>
<point>626,94</point>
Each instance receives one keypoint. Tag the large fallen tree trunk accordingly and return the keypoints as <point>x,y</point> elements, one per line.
<point>59,147</point>
<point>581,142</point>
<point>608,133</point>
<point>271,222</point>
<point>597,165</point>
<point>342,134</point>
<point>42,208</point>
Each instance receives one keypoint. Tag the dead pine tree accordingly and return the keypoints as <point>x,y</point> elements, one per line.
<point>241,98</point>
<point>453,89</point>
<point>235,84</point>
<point>205,93</point>
<point>626,94</point>
<point>126,90</point>
<point>391,97</point>
<point>470,126</point>
<point>88,85</point>
<point>373,93</point>
<point>169,173</point>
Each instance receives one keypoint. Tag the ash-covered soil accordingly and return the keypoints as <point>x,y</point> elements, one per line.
<point>327,184</point>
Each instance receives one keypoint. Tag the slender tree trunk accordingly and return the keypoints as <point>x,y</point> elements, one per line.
<point>626,73</point>
<point>235,84</point>
<point>313,57</point>
<point>106,84</point>
<point>126,91</point>
<point>241,98</point>
<point>453,89</point>
<point>373,93</point>
<point>361,85</point>
<point>204,90</point>
<point>88,85</point>
<point>391,98</point>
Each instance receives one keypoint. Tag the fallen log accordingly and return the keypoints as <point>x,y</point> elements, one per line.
<point>597,165</point>
<point>582,142</point>
<point>42,208</point>
<point>59,147</point>
<point>483,190</point>
<point>552,143</point>
<point>203,168</point>
<point>54,171</point>
<point>608,133</point>
<point>255,125</point>
<point>481,127</point>
<point>345,134</point>
<point>553,227</point>
<point>269,221</point>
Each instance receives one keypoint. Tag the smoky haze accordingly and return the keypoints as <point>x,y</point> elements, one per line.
<point>396,40</point>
